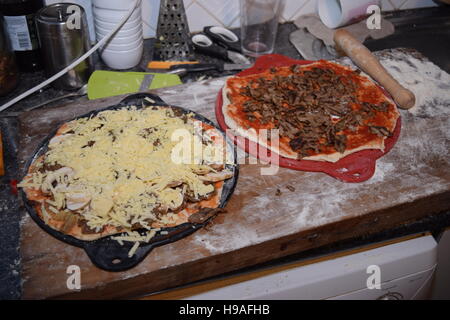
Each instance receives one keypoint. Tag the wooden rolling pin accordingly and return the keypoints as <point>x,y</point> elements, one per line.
<point>367,62</point>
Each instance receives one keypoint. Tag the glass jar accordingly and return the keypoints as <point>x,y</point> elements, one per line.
<point>8,70</point>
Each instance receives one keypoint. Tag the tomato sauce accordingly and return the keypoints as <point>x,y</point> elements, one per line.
<point>366,90</point>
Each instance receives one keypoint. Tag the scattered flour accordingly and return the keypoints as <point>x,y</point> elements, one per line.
<point>429,83</point>
<point>383,168</point>
<point>170,91</point>
<point>217,82</point>
<point>322,200</point>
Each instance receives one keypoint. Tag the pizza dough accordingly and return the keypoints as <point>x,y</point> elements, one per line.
<point>328,110</point>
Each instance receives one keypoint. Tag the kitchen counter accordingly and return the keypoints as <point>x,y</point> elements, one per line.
<point>11,213</point>
<point>261,224</point>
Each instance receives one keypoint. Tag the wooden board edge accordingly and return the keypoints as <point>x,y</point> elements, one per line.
<point>194,289</point>
<point>160,280</point>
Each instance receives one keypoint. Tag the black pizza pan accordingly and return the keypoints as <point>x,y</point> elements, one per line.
<point>106,253</point>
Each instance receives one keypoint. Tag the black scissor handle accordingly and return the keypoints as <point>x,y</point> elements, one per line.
<point>224,37</point>
<point>196,67</point>
<point>203,44</point>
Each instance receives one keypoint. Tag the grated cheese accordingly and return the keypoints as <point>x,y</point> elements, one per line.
<point>122,161</point>
<point>54,210</point>
<point>133,249</point>
<point>45,214</point>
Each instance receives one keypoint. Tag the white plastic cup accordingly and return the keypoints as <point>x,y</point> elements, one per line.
<point>112,25</point>
<point>119,40</point>
<point>338,13</point>
<point>126,52</point>
<point>121,60</point>
<point>112,4</point>
<point>122,32</point>
<point>114,46</point>
<point>114,16</point>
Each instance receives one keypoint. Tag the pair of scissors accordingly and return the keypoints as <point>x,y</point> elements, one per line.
<point>220,43</point>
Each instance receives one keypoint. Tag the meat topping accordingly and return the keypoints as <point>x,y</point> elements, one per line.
<point>314,108</point>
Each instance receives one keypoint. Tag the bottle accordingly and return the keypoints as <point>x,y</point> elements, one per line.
<point>8,69</point>
<point>19,24</point>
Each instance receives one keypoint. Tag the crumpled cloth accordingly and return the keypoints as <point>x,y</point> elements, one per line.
<point>359,30</point>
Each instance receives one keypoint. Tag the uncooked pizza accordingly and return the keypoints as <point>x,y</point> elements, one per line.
<point>323,110</point>
<point>128,169</point>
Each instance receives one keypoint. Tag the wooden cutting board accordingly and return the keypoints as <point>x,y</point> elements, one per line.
<point>265,220</point>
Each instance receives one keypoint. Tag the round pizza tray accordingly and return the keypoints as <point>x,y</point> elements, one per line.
<point>356,167</point>
<point>107,253</point>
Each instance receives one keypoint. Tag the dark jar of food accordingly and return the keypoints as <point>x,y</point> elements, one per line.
<point>20,26</point>
<point>8,69</point>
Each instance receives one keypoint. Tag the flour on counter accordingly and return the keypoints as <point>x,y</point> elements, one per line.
<point>320,199</point>
<point>429,83</point>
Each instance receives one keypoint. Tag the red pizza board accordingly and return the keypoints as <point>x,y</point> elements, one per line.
<point>356,167</point>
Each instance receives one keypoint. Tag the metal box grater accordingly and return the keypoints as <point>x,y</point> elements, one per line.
<point>172,35</point>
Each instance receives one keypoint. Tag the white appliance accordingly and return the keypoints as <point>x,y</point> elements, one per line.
<point>406,270</point>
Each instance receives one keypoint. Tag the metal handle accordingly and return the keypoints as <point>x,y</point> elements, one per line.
<point>182,69</point>
<point>204,44</point>
<point>144,98</point>
<point>223,36</point>
<point>109,255</point>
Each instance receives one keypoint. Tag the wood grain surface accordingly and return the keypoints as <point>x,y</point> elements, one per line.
<point>261,224</point>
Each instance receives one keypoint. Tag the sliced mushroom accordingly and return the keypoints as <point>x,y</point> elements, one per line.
<point>58,139</point>
<point>77,201</point>
<point>174,184</point>
<point>69,222</point>
<point>53,177</point>
<point>216,176</point>
<point>217,166</point>
<point>161,209</point>
<point>178,203</point>
<point>193,198</point>
<point>201,170</point>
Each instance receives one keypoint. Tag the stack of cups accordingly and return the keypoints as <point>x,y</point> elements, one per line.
<point>124,50</point>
